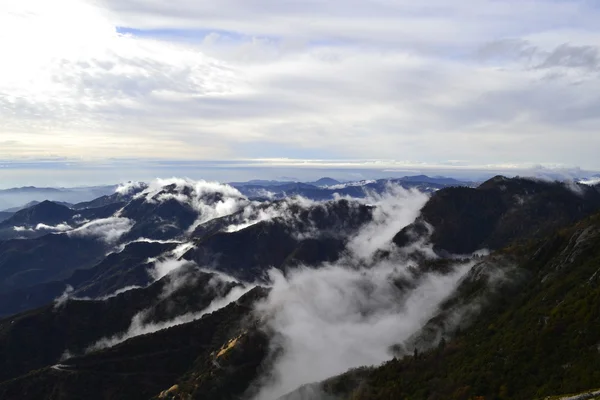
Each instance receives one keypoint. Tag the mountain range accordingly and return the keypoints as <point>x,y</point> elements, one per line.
<point>418,287</point>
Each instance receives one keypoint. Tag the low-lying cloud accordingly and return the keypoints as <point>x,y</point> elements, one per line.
<point>64,227</point>
<point>140,326</point>
<point>351,313</point>
<point>107,229</point>
<point>329,320</point>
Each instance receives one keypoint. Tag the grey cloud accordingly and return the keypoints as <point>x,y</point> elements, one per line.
<point>565,55</point>
<point>506,49</point>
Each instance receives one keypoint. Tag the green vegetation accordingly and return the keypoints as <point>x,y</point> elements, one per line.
<point>541,339</point>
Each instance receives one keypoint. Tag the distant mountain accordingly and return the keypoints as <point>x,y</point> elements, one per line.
<point>329,189</point>
<point>325,182</point>
<point>259,182</point>
<point>30,189</point>
<point>17,197</point>
<point>438,180</point>
<point>46,212</point>
<point>34,203</point>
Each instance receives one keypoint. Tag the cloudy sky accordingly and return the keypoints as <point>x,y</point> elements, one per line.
<point>468,83</point>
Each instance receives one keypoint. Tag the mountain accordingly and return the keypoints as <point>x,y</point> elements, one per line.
<point>325,182</point>
<point>260,182</point>
<point>25,263</point>
<point>304,236</point>
<point>47,216</point>
<point>181,289</point>
<point>16,197</point>
<point>536,337</point>
<point>127,268</point>
<point>4,215</point>
<point>497,212</point>
<point>76,324</point>
<point>327,188</point>
<point>46,212</point>
<point>146,366</point>
<point>34,203</point>
<point>438,180</point>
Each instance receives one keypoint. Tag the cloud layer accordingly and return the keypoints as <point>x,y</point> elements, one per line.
<point>351,313</point>
<point>480,81</point>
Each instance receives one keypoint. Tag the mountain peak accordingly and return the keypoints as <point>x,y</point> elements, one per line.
<point>325,181</point>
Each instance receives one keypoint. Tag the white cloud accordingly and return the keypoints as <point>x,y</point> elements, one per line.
<point>128,188</point>
<point>22,229</point>
<point>107,229</point>
<point>57,228</point>
<point>209,199</point>
<point>394,209</point>
<point>64,227</point>
<point>256,212</point>
<point>590,181</point>
<point>364,79</point>
<point>64,297</point>
<point>350,313</point>
<point>139,325</point>
<point>329,320</point>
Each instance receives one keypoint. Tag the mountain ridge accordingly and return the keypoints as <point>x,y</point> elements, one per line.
<point>188,290</point>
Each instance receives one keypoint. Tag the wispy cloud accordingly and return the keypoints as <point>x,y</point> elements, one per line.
<point>107,229</point>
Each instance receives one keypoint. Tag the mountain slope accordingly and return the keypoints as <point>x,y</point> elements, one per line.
<point>539,338</point>
<point>4,215</point>
<point>498,212</point>
<point>127,268</point>
<point>306,235</point>
<point>27,262</point>
<point>146,365</point>
<point>74,324</point>
<point>519,323</point>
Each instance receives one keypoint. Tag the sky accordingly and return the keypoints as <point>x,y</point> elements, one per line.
<point>377,85</point>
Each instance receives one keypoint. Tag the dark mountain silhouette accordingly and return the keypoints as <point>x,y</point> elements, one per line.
<point>46,212</point>
<point>144,366</point>
<point>163,220</point>
<point>522,323</point>
<point>76,324</point>
<point>498,212</point>
<point>34,203</point>
<point>325,182</point>
<point>129,267</point>
<point>25,263</point>
<point>311,237</point>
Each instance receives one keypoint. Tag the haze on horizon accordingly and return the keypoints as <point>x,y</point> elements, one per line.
<point>90,86</point>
